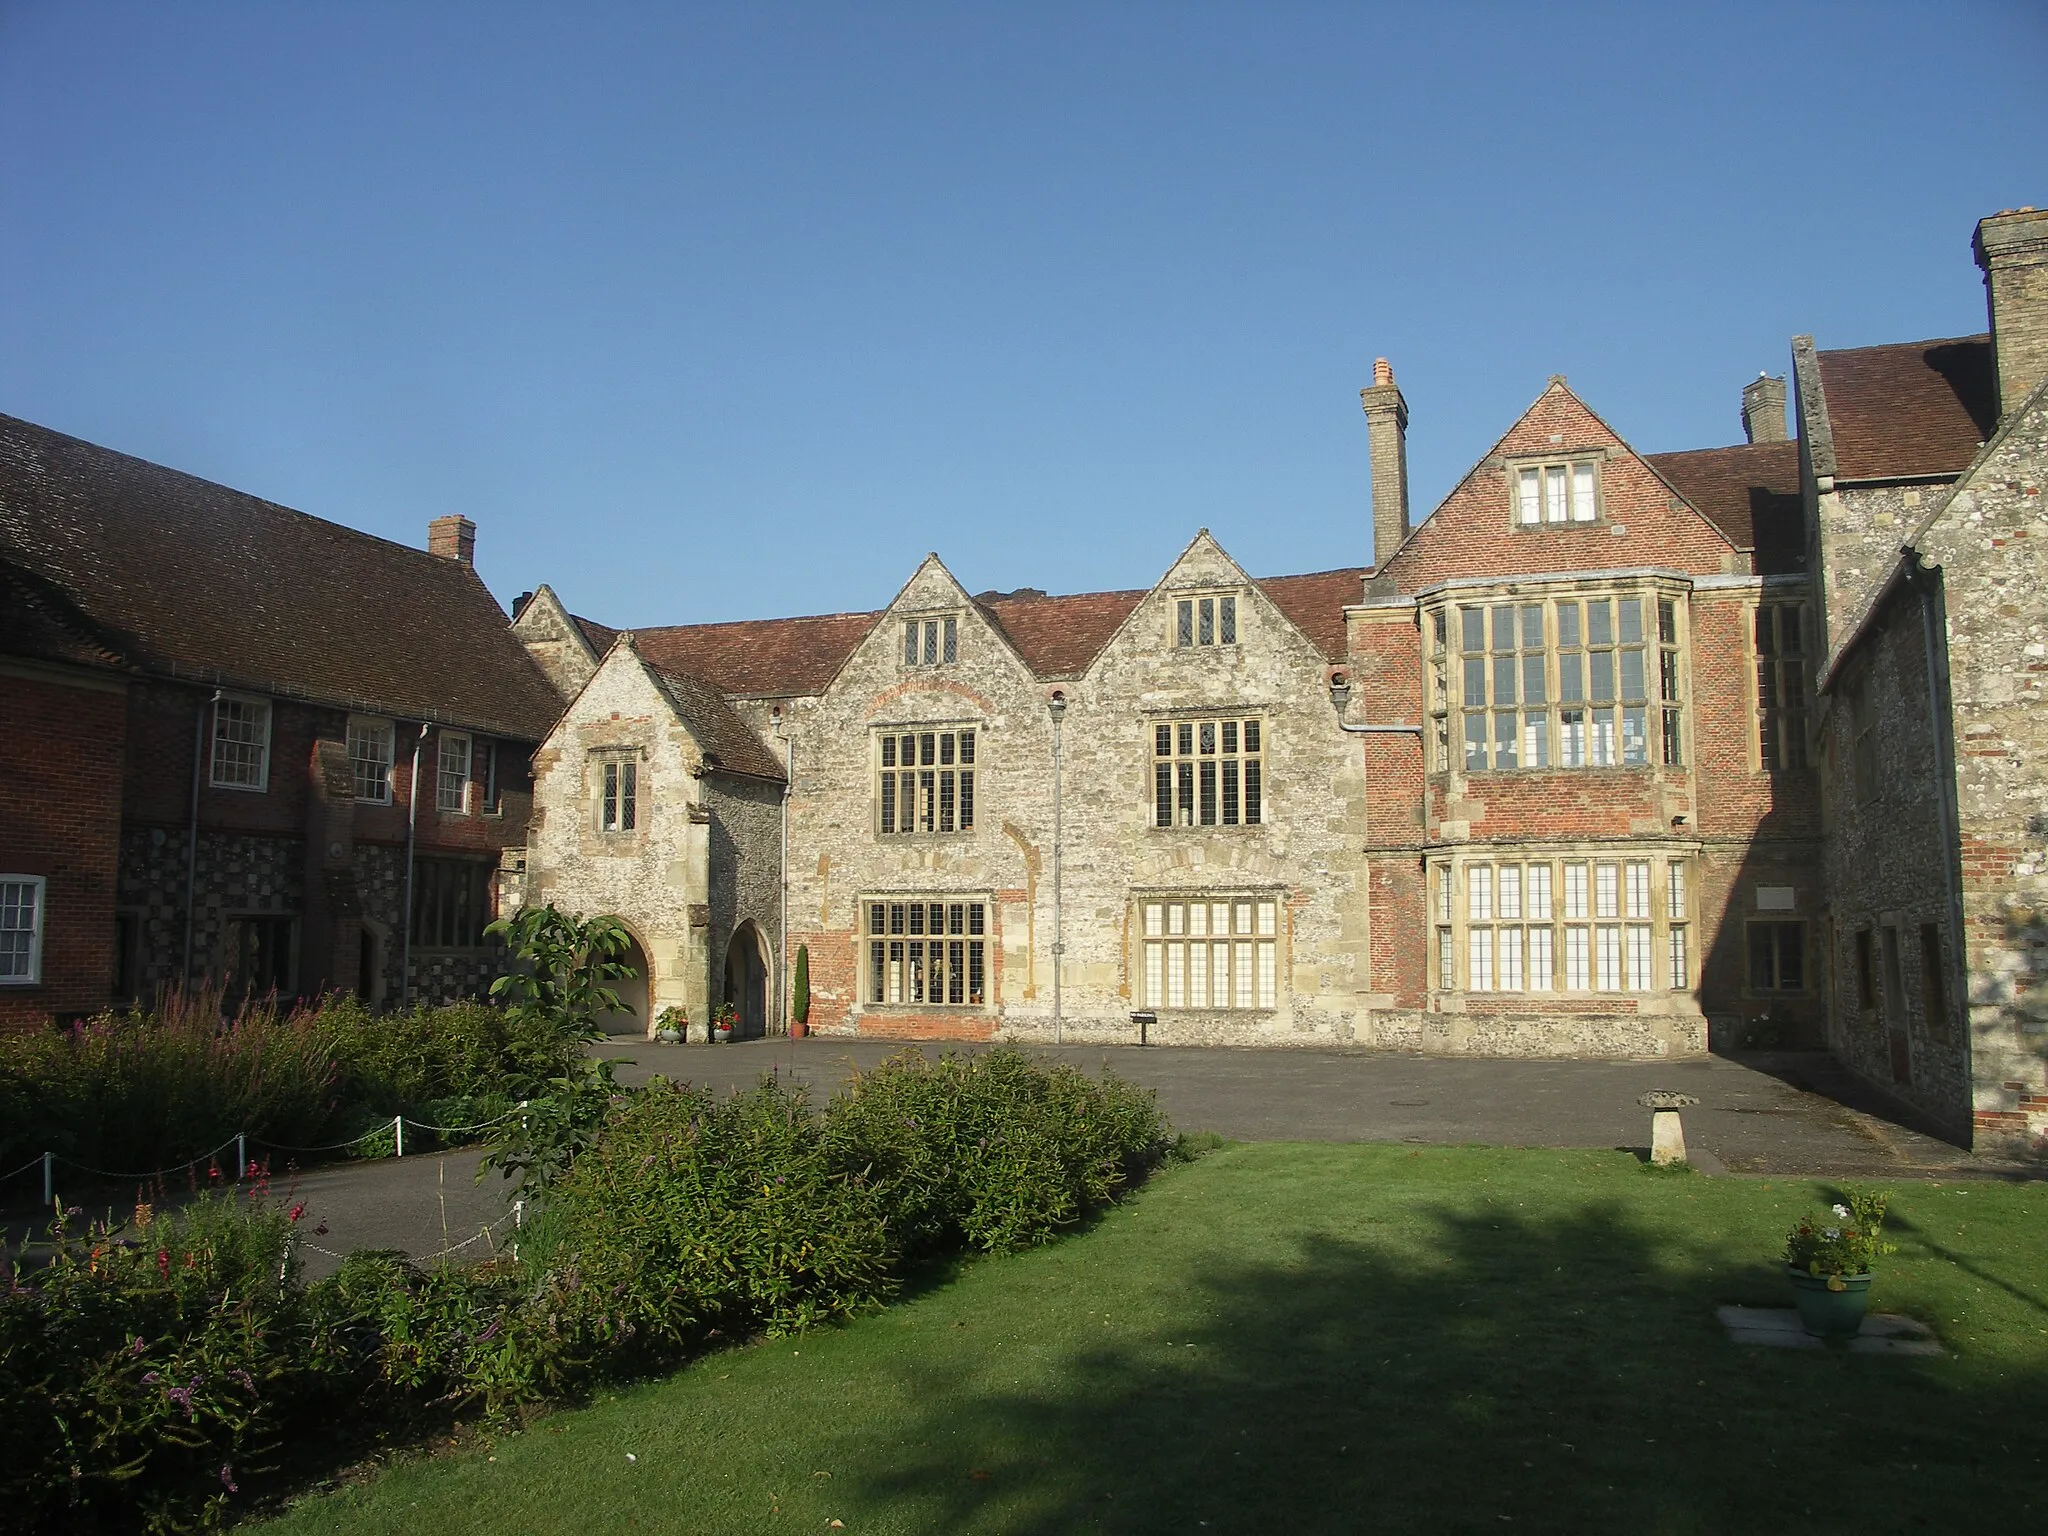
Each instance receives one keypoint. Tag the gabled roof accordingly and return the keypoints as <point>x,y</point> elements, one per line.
<point>754,658</point>
<point>1316,603</point>
<point>719,730</point>
<point>1058,636</point>
<point>1751,493</point>
<point>189,579</point>
<point>1910,409</point>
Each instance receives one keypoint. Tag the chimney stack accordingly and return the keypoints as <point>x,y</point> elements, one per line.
<point>1386,416</point>
<point>2012,249</point>
<point>452,538</point>
<point>1763,409</point>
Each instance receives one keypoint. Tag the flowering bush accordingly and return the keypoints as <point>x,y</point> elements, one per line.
<point>1847,1242</point>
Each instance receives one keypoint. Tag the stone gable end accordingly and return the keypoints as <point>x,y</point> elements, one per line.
<point>1642,520</point>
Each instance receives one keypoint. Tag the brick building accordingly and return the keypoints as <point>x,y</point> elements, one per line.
<point>217,711</point>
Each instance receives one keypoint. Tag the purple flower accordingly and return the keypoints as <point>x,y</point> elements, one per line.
<point>248,1382</point>
<point>227,1478</point>
<point>150,1378</point>
<point>182,1396</point>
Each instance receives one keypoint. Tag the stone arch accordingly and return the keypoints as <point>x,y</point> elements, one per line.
<point>634,991</point>
<point>746,980</point>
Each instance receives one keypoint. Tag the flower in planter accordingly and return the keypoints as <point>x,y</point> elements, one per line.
<point>1851,1248</point>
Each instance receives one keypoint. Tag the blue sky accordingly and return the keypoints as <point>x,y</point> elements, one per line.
<point>709,312</point>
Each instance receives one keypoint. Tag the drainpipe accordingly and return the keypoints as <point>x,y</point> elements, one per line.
<point>192,829</point>
<point>1340,695</point>
<point>782,923</point>
<point>412,821</point>
<point>1057,706</point>
<point>1944,789</point>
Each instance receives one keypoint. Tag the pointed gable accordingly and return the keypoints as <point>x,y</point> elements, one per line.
<point>1637,517</point>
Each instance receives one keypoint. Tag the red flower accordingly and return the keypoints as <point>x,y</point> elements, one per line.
<point>163,1262</point>
<point>298,1211</point>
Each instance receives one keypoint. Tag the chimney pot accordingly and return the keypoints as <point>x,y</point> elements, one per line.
<point>452,538</point>
<point>1763,409</point>
<point>2012,249</point>
<point>1382,371</point>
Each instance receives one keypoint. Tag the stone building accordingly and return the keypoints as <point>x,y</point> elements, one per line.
<point>243,743</point>
<point>1924,464</point>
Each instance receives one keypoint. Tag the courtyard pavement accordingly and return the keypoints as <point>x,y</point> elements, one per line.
<point>1785,1114</point>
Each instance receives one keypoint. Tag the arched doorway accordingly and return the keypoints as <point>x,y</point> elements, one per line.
<point>746,981</point>
<point>633,994</point>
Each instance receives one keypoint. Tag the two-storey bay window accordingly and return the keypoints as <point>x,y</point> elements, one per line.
<point>931,951</point>
<point>931,642</point>
<point>1211,952</point>
<point>241,744</point>
<point>1560,682</point>
<point>1208,773</point>
<point>924,782</point>
<point>451,773</point>
<point>1562,925</point>
<point>370,751</point>
<point>21,930</point>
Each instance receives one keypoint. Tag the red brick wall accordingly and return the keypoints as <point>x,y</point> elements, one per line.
<point>60,817</point>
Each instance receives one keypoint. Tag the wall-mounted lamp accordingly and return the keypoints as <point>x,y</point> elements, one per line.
<point>1340,691</point>
<point>1057,704</point>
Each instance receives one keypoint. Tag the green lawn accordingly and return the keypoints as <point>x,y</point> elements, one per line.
<point>1331,1338</point>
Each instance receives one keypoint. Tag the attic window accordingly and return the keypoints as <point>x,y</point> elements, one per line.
<point>931,642</point>
<point>1557,493</point>
<point>1200,621</point>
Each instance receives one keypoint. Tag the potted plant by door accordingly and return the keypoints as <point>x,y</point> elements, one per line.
<point>1831,1262</point>
<point>722,1018</point>
<point>672,1025</point>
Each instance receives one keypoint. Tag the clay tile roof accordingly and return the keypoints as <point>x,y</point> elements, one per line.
<point>189,579</point>
<point>1751,493</point>
<point>1915,408</point>
<point>754,658</point>
<point>717,726</point>
<point>1058,636</point>
<point>38,620</point>
<point>1316,603</point>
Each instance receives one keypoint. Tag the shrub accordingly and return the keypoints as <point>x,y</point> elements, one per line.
<point>566,965</point>
<point>692,1215</point>
<point>990,1151</point>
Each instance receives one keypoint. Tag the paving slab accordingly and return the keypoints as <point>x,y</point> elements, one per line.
<point>1882,1333</point>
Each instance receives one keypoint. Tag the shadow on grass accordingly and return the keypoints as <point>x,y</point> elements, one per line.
<point>1511,1375</point>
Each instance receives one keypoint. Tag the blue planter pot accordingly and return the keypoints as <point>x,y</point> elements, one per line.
<point>1829,1313</point>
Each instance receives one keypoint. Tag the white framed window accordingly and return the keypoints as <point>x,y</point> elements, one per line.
<point>931,642</point>
<point>1499,928</point>
<point>1214,951</point>
<point>927,951</point>
<point>1561,683</point>
<point>1205,621</point>
<point>924,782</point>
<point>1208,773</point>
<point>371,743</point>
<point>451,773</point>
<point>21,930</point>
<point>618,794</point>
<point>1557,493</point>
<point>241,744</point>
<point>1780,639</point>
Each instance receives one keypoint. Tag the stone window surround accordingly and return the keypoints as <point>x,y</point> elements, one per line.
<point>1791,672</point>
<point>1249,953</point>
<point>1754,925</point>
<point>19,895</point>
<point>1438,613</point>
<point>257,738</point>
<point>970,772</point>
<point>618,788</point>
<point>1185,618</point>
<point>372,753</point>
<point>1196,716</point>
<point>1449,897</point>
<point>880,942</point>
<point>931,639</point>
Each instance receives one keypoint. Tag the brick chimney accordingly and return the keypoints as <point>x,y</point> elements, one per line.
<point>1386,416</point>
<point>2012,248</point>
<point>1763,409</point>
<point>452,538</point>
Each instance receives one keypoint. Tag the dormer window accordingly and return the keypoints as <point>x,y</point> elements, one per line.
<point>1557,493</point>
<point>931,642</point>
<point>1199,621</point>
